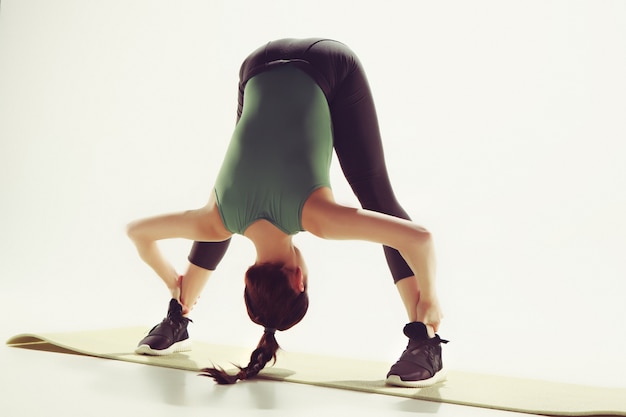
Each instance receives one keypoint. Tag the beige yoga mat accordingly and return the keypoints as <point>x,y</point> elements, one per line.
<point>477,390</point>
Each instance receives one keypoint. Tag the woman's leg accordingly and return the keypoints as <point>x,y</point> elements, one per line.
<point>359,148</point>
<point>203,260</point>
<point>360,152</point>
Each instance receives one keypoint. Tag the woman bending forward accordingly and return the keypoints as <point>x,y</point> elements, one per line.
<point>298,100</point>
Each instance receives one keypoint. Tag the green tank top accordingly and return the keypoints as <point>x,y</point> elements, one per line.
<point>280,152</point>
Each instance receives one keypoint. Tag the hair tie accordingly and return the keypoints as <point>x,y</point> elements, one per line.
<point>269,330</point>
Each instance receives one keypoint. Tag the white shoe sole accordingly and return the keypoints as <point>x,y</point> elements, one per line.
<point>182,346</point>
<point>398,382</point>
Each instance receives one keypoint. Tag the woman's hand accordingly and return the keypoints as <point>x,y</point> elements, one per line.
<point>176,290</point>
<point>175,287</point>
<point>429,313</point>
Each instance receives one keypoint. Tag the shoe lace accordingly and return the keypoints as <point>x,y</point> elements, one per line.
<point>177,320</point>
<point>428,346</point>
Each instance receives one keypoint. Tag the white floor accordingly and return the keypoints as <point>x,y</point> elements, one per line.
<point>36,383</point>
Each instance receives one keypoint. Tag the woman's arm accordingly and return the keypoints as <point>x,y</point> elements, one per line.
<point>323,217</point>
<point>202,225</point>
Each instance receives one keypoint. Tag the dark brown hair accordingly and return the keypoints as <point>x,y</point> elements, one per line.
<point>272,303</point>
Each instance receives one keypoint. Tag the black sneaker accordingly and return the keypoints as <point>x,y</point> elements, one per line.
<point>169,336</point>
<point>420,364</point>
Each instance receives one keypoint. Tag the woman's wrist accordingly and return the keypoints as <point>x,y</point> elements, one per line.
<point>174,287</point>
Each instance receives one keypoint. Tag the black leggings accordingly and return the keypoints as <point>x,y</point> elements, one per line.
<point>356,135</point>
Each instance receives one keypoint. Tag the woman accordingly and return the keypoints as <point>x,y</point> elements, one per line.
<point>298,99</point>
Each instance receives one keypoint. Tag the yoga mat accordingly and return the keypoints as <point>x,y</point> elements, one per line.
<point>464,388</point>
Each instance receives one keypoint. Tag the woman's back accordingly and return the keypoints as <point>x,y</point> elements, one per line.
<point>279,153</point>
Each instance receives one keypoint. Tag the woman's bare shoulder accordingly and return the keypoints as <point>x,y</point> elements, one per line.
<point>317,210</point>
<point>212,223</point>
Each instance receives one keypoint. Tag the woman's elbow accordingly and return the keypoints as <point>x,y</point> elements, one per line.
<point>134,232</point>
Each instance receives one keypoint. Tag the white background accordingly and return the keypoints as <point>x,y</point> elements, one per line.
<point>504,126</point>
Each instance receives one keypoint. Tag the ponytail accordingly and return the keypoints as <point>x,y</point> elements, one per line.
<point>264,352</point>
<point>272,303</point>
